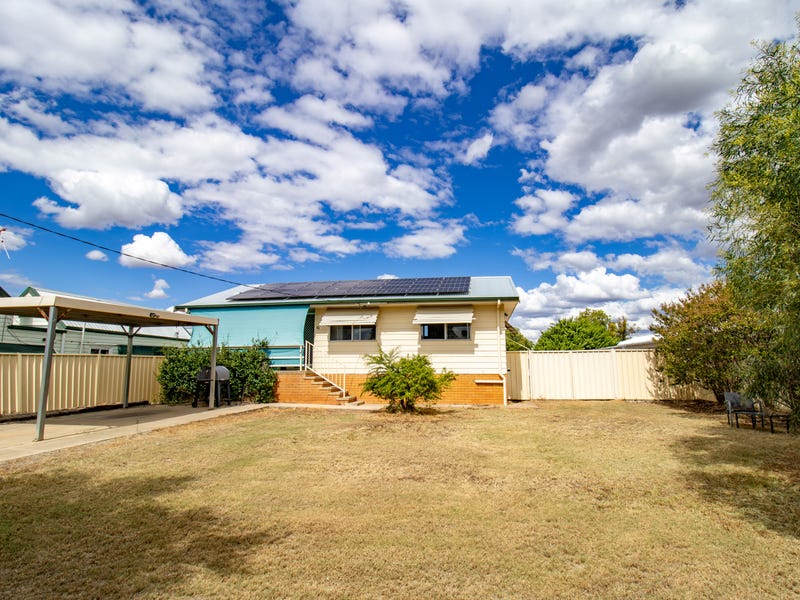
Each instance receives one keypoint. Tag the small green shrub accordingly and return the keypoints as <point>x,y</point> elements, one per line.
<point>402,382</point>
<point>252,377</point>
<point>178,373</point>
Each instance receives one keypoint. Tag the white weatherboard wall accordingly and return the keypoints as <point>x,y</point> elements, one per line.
<point>484,353</point>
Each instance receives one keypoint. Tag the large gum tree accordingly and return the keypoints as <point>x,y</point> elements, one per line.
<point>756,213</point>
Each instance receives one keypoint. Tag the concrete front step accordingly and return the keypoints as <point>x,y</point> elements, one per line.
<point>350,401</point>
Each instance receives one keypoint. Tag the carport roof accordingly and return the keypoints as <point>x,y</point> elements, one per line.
<point>95,311</point>
<point>53,307</point>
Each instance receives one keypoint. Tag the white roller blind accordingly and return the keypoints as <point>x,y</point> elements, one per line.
<point>443,314</point>
<point>349,316</point>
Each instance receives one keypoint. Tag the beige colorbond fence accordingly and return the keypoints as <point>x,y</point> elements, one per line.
<point>77,381</point>
<point>590,375</point>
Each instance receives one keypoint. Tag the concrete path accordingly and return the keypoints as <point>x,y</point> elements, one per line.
<point>16,437</point>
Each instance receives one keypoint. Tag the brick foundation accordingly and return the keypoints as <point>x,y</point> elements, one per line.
<point>466,389</point>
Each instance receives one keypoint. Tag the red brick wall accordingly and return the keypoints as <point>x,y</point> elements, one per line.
<point>292,387</point>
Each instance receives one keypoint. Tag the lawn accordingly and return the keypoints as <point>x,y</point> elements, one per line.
<point>539,500</point>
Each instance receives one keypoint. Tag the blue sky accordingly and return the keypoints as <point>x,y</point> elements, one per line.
<point>564,144</point>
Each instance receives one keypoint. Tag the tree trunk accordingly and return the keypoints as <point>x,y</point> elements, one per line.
<point>720,396</point>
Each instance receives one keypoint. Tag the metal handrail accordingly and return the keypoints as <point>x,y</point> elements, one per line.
<point>336,377</point>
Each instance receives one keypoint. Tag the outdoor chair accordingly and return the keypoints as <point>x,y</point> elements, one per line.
<point>739,404</point>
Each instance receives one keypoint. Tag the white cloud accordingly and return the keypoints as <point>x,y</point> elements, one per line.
<point>55,46</point>
<point>627,284</point>
<point>301,255</point>
<point>387,276</point>
<point>14,239</point>
<point>251,89</point>
<point>97,255</point>
<point>478,149</point>
<point>107,199</point>
<point>248,180</point>
<point>569,261</point>
<point>670,264</point>
<point>29,109</point>
<point>543,212</point>
<point>160,287</point>
<point>673,264</point>
<point>159,248</point>
<point>617,295</point>
<point>515,119</point>
<point>236,256</point>
<point>15,280</point>
<point>431,239</point>
<point>310,118</point>
<point>616,126</point>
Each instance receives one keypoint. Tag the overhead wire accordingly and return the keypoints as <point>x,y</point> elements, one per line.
<point>119,252</point>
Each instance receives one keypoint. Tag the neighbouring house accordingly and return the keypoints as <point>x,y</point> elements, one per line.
<point>643,341</point>
<point>319,332</point>
<point>27,334</point>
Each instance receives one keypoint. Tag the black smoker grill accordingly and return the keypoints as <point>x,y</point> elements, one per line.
<point>203,380</point>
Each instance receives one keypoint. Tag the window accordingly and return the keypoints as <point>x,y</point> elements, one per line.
<point>352,333</point>
<point>100,351</point>
<point>445,331</point>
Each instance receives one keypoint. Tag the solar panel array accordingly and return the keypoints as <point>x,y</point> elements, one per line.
<point>421,286</point>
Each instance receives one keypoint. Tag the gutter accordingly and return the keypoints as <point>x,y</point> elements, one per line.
<point>352,300</point>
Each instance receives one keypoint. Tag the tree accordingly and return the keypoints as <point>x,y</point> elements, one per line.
<point>403,382</point>
<point>704,339</point>
<point>587,331</point>
<point>515,340</point>
<point>756,212</point>
<point>621,329</point>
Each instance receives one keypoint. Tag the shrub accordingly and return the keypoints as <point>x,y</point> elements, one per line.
<point>402,382</point>
<point>252,377</point>
<point>178,373</point>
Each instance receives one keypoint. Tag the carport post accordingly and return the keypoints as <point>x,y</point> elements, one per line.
<point>44,388</point>
<point>212,386</point>
<point>130,333</point>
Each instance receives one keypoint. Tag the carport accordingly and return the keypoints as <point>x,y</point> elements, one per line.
<point>131,318</point>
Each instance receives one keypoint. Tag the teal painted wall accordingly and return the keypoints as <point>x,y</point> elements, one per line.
<point>240,325</point>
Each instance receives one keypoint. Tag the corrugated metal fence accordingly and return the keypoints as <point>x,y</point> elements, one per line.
<point>83,380</point>
<point>78,381</point>
<point>590,375</point>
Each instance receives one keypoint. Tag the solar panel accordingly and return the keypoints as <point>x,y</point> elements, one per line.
<point>421,286</point>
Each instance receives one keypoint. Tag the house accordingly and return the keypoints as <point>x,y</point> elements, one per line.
<point>643,341</point>
<point>27,334</point>
<point>325,328</point>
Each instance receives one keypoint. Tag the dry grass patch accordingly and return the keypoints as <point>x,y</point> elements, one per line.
<point>562,501</point>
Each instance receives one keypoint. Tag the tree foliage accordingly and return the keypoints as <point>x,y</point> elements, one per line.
<point>705,339</point>
<point>252,377</point>
<point>589,330</point>
<point>515,340</point>
<point>621,329</point>
<point>756,212</point>
<point>403,382</point>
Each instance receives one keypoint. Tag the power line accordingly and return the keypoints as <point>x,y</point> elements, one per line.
<point>107,249</point>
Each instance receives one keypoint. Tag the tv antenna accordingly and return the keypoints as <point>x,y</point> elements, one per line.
<point>3,242</point>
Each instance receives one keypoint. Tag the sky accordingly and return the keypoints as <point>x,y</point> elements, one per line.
<point>565,144</point>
